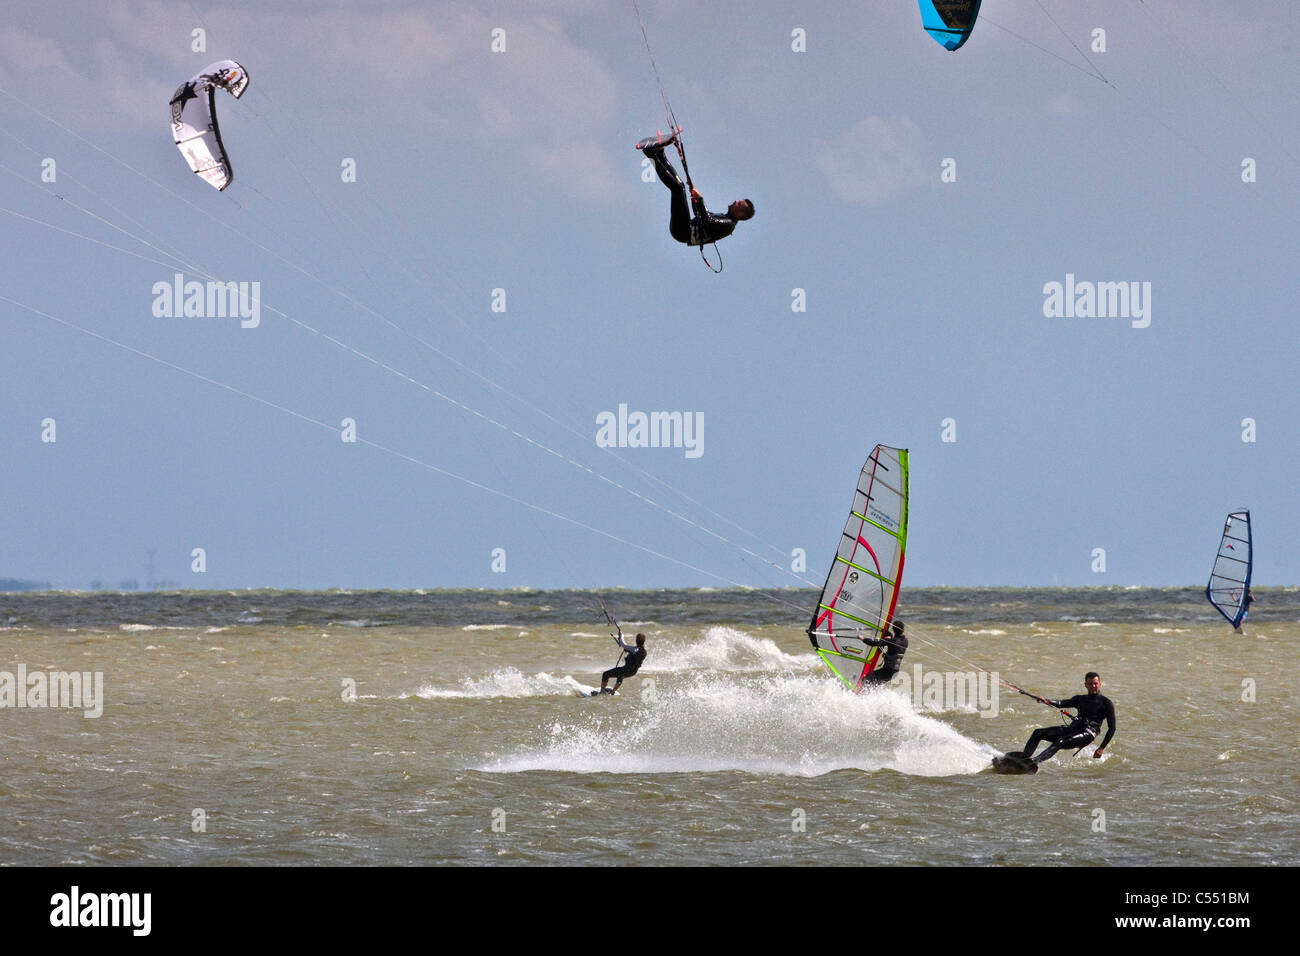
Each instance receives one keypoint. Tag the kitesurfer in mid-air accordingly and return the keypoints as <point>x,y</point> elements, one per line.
<point>705,227</point>
<point>635,658</point>
<point>895,647</point>
<point>1092,708</point>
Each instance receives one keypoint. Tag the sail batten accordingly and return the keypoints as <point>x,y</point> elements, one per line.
<point>860,595</point>
<point>856,567</point>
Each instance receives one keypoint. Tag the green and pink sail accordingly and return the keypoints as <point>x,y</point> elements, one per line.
<point>860,595</point>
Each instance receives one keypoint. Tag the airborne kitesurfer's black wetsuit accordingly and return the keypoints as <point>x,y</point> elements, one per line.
<point>1092,710</point>
<point>707,226</point>
<point>897,647</point>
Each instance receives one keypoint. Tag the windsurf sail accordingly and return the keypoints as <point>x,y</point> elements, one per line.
<point>1229,587</point>
<point>860,595</point>
<point>950,22</point>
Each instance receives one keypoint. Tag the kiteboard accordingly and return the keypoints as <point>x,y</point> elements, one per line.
<point>1014,762</point>
<point>657,140</point>
<point>594,693</point>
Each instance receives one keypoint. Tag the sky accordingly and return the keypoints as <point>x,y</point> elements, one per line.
<point>497,277</point>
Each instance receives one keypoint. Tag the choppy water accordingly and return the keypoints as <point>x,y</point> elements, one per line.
<point>466,743</point>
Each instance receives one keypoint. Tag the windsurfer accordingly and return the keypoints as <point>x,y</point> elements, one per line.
<point>1091,708</point>
<point>706,227</point>
<point>896,647</point>
<point>635,658</point>
<point>1245,610</point>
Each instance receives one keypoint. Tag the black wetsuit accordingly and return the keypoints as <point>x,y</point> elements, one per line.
<point>1092,709</point>
<point>706,227</point>
<point>635,658</point>
<point>897,647</point>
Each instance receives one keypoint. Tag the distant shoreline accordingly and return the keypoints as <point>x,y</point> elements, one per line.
<point>41,587</point>
<point>525,607</point>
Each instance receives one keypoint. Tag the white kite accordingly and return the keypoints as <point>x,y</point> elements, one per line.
<point>194,120</point>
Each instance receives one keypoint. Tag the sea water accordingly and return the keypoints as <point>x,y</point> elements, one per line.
<point>445,727</point>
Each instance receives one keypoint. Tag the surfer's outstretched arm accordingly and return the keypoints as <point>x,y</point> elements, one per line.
<point>1110,728</point>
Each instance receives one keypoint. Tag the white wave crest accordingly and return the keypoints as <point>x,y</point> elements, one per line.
<point>779,724</point>
<point>507,682</point>
<point>727,649</point>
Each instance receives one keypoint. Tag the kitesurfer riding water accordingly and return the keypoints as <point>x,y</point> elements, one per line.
<point>896,647</point>
<point>1092,708</point>
<point>705,227</point>
<point>635,658</point>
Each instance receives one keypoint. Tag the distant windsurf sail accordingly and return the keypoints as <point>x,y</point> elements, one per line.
<point>1229,587</point>
<point>950,22</point>
<point>861,591</point>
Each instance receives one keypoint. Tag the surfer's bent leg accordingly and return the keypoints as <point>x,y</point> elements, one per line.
<point>887,671</point>
<point>1072,742</point>
<point>1051,734</point>
<point>881,675</point>
<point>1075,741</point>
<point>679,222</point>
